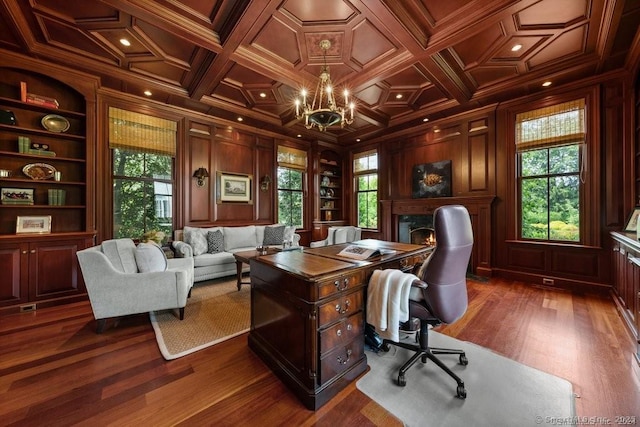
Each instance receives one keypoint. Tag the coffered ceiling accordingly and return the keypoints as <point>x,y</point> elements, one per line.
<point>404,60</point>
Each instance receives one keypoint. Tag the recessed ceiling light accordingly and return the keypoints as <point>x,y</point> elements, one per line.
<point>240,119</point>
<point>399,96</point>
<point>547,83</point>
<point>436,130</point>
<point>516,47</point>
<point>358,140</point>
<point>299,136</point>
<point>426,119</point>
<point>263,95</point>
<point>148,92</point>
<point>125,42</point>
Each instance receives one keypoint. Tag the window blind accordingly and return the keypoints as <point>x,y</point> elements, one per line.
<point>142,133</point>
<point>559,124</point>
<point>292,158</point>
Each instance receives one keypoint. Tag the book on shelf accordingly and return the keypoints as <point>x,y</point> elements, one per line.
<point>42,152</point>
<point>24,144</point>
<point>23,91</point>
<point>361,252</point>
<point>16,202</point>
<point>42,100</point>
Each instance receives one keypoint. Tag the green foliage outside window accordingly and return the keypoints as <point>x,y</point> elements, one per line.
<point>550,193</point>
<point>367,195</point>
<point>290,196</point>
<point>142,193</point>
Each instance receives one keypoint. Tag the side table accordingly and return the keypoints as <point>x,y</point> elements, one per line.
<point>245,257</point>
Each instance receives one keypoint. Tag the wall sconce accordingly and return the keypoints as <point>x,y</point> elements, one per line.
<point>200,175</point>
<point>264,183</point>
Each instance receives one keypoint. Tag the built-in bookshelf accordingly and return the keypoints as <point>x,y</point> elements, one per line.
<point>46,212</point>
<point>42,148</point>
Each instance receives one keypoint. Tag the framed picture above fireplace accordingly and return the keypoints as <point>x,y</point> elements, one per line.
<point>431,180</point>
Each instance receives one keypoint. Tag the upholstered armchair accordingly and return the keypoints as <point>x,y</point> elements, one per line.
<point>339,234</point>
<point>123,279</point>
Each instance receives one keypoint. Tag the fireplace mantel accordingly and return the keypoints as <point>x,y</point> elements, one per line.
<point>479,208</point>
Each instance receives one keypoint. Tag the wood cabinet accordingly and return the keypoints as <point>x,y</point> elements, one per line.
<point>626,281</point>
<point>41,270</point>
<point>36,140</point>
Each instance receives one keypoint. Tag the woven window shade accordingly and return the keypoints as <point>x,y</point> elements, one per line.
<point>556,125</point>
<point>141,133</point>
<point>292,158</point>
<point>365,161</point>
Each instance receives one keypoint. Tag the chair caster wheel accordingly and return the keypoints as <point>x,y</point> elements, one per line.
<point>463,360</point>
<point>402,381</point>
<point>461,392</point>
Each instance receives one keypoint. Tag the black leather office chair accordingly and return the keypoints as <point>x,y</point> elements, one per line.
<point>441,297</point>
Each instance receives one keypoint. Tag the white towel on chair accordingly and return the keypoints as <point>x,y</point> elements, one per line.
<point>388,301</point>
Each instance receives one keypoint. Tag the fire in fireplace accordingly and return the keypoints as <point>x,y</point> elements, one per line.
<point>416,229</point>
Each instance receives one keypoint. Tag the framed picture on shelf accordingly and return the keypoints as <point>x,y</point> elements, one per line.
<point>632,222</point>
<point>234,188</point>
<point>33,224</point>
<point>16,196</point>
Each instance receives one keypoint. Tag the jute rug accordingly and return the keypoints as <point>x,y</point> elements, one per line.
<point>500,391</point>
<point>216,312</point>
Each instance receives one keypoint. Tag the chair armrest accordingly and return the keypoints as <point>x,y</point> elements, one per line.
<point>183,249</point>
<point>419,284</point>
<point>319,243</point>
<point>296,239</point>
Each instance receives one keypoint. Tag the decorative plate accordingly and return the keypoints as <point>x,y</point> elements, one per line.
<point>330,192</point>
<point>39,171</point>
<point>55,123</point>
<point>323,192</point>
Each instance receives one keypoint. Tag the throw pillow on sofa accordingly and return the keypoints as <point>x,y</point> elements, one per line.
<point>197,238</point>
<point>239,237</point>
<point>150,257</point>
<point>215,242</point>
<point>273,235</point>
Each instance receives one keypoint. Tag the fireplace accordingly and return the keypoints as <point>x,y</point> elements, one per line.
<point>411,221</point>
<point>416,229</point>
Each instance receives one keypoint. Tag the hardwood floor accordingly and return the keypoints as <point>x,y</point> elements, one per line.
<point>55,370</point>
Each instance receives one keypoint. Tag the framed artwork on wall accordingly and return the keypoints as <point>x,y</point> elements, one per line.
<point>234,188</point>
<point>632,222</point>
<point>33,224</point>
<point>431,180</point>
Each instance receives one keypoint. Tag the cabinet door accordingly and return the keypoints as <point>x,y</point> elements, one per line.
<point>14,279</point>
<point>54,270</point>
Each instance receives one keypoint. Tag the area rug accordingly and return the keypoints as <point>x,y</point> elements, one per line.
<point>216,312</point>
<point>500,391</point>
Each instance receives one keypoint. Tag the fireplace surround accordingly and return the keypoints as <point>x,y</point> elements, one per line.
<point>401,216</point>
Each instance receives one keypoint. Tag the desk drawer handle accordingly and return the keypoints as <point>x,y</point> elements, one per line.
<point>341,286</point>
<point>341,310</point>
<point>339,332</point>
<point>344,361</point>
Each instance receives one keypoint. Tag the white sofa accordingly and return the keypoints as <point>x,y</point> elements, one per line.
<point>211,262</point>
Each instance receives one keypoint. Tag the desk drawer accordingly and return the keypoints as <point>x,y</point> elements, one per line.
<point>342,306</point>
<point>340,359</point>
<point>342,283</point>
<point>342,332</point>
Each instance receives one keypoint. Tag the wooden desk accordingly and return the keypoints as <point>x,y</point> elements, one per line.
<point>307,314</point>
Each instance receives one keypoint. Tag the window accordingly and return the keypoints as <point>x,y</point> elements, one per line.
<point>143,151</point>
<point>292,165</point>
<point>365,172</point>
<point>551,151</point>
